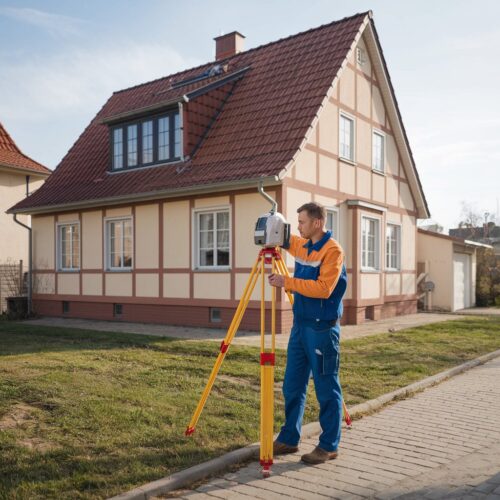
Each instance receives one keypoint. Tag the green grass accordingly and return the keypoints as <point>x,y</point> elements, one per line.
<point>85,414</point>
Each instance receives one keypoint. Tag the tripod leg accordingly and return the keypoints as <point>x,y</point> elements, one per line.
<point>267,386</point>
<point>233,328</point>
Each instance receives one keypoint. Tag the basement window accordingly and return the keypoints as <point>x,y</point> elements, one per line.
<point>215,316</point>
<point>150,141</point>
<point>117,310</point>
<point>65,307</point>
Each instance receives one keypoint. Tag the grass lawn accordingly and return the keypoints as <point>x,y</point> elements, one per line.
<point>85,414</point>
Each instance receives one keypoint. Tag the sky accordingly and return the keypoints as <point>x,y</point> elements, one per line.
<point>61,60</point>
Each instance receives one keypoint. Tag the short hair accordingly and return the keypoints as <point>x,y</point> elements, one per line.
<point>314,210</point>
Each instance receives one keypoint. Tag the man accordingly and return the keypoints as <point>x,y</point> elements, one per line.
<point>318,285</point>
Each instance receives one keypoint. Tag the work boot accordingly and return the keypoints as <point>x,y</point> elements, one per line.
<point>318,456</point>
<point>283,449</point>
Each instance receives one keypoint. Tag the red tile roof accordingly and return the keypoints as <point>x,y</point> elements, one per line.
<point>258,131</point>
<point>12,157</point>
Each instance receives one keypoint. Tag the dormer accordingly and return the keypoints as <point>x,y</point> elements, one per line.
<point>146,140</point>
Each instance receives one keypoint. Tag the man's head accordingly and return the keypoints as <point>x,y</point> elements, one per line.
<point>311,220</point>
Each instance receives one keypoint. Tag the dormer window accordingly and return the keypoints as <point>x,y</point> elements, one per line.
<point>145,142</point>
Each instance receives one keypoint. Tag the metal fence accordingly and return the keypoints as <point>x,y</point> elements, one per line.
<point>12,282</point>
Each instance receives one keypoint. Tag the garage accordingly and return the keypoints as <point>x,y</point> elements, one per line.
<point>447,266</point>
<point>461,281</point>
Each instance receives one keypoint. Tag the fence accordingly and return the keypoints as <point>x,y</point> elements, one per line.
<point>12,282</point>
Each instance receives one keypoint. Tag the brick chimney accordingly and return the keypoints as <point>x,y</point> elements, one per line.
<point>228,45</point>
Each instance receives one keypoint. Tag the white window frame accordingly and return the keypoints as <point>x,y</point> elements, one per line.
<point>335,212</point>
<point>59,226</point>
<point>107,255</point>
<point>196,237</point>
<point>377,244</point>
<point>382,135</point>
<point>343,114</point>
<point>398,256</point>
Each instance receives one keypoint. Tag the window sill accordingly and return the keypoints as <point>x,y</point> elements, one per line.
<point>68,271</point>
<point>118,270</point>
<point>378,172</point>
<point>347,160</point>
<point>113,171</point>
<point>393,271</point>
<point>212,270</point>
<point>371,271</point>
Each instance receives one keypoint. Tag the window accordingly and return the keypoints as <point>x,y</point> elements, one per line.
<point>117,148</point>
<point>68,246</point>
<point>119,244</point>
<point>332,222</point>
<point>346,137</point>
<point>117,310</point>
<point>213,238</point>
<point>146,142</point>
<point>378,151</point>
<point>215,316</point>
<point>132,145</point>
<point>65,307</point>
<point>393,247</point>
<point>370,244</point>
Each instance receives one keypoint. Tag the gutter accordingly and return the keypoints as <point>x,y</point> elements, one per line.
<point>30,262</point>
<point>154,195</point>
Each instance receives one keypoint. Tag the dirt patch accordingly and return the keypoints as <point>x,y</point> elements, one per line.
<point>36,444</point>
<point>21,415</point>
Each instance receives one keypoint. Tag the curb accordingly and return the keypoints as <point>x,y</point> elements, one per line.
<point>205,469</point>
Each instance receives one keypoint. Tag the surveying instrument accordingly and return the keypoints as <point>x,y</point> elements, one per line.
<point>271,232</point>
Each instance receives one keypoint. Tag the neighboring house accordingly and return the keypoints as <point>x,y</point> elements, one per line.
<point>19,175</point>
<point>489,234</point>
<point>450,264</point>
<point>150,216</point>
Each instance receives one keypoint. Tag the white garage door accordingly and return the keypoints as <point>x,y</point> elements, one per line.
<point>461,281</point>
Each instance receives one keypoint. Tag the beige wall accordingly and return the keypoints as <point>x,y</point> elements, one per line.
<point>118,284</point>
<point>176,285</point>
<point>146,285</point>
<point>176,224</point>
<point>44,283</point>
<point>248,207</point>
<point>438,253</point>
<point>212,286</point>
<point>370,285</point>
<point>91,244</point>
<point>146,237</point>
<point>14,240</point>
<point>43,242</point>
<point>68,283</point>
<point>91,284</point>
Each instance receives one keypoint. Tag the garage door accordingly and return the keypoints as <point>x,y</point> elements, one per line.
<point>461,281</point>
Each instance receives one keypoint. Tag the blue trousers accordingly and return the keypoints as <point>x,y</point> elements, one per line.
<point>313,348</point>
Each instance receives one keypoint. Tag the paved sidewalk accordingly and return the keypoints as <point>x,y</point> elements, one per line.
<point>442,443</point>
<point>242,337</point>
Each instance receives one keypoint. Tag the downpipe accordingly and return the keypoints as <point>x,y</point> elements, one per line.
<point>30,262</point>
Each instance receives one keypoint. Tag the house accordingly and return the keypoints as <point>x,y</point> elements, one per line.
<point>150,215</point>
<point>489,234</point>
<point>449,263</point>
<point>19,176</point>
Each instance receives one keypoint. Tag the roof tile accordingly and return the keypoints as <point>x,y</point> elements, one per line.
<point>257,133</point>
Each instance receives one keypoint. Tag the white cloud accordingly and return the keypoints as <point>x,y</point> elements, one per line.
<point>56,25</point>
<point>38,87</point>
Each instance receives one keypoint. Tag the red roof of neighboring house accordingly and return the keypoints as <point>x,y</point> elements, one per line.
<point>11,156</point>
<point>263,121</point>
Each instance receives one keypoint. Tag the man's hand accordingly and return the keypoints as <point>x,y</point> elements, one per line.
<point>277,280</point>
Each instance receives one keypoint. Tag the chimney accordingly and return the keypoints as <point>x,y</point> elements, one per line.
<point>228,45</point>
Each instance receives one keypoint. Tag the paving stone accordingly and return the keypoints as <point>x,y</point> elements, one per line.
<point>442,443</point>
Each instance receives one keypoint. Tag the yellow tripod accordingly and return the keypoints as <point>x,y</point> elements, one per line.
<point>270,256</point>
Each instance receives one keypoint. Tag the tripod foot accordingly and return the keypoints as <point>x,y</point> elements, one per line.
<point>266,467</point>
<point>189,431</point>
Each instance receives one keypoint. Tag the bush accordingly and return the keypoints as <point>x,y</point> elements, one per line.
<point>487,278</point>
